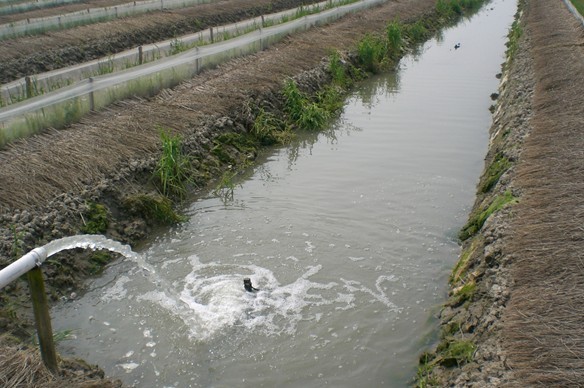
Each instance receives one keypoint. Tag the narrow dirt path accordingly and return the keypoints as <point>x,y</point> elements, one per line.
<point>543,332</point>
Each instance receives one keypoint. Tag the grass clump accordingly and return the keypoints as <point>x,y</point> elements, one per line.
<point>424,377</point>
<point>226,186</point>
<point>479,216</point>
<point>464,294</point>
<point>456,352</point>
<point>462,264</point>
<point>337,70</point>
<point>417,32</point>
<point>450,9</point>
<point>395,32</point>
<point>268,130</point>
<point>153,207</point>
<point>98,261</point>
<point>96,220</point>
<point>371,52</point>
<point>497,168</point>
<point>512,43</point>
<point>303,113</point>
<point>173,169</point>
<point>177,46</point>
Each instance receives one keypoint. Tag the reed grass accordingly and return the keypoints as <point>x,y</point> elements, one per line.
<point>303,113</point>
<point>173,169</point>
<point>394,31</point>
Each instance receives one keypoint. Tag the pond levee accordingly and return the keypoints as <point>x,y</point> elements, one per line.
<point>510,317</point>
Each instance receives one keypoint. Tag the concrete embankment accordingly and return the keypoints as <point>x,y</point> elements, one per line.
<point>513,318</point>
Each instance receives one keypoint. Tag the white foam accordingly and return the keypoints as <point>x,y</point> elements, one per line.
<point>117,292</point>
<point>129,366</point>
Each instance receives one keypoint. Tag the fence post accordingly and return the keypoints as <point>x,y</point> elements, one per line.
<point>28,83</point>
<point>211,34</point>
<point>140,55</point>
<point>42,319</point>
<point>91,97</point>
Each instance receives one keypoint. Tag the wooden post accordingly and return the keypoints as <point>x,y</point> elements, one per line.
<point>42,319</point>
<point>28,83</point>
<point>211,34</point>
<point>140,55</point>
<point>91,97</point>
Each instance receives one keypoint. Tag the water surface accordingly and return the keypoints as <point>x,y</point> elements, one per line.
<point>350,234</point>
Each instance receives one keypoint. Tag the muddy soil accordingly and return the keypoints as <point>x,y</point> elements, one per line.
<point>54,50</point>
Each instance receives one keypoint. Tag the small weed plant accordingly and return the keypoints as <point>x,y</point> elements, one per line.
<point>173,168</point>
<point>394,32</point>
<point>177,46</point>
<point>96,220</point>
<point>371,52</point>
<point>303,113</point>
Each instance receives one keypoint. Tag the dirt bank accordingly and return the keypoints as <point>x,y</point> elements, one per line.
<point>512,318</point>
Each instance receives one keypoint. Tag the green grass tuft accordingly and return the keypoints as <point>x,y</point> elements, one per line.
<point>394,32</point>
<point>151,207</point>
<point>456,352</point>
<point>173,168</point>
<point>497,168</point>
<point>96,220</point>
<point>479,216</point>
<point>371,52</point>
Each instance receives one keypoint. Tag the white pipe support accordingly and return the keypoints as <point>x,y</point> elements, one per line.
<point>21,266</point>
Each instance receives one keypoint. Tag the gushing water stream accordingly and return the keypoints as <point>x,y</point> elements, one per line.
<point>349,235</point>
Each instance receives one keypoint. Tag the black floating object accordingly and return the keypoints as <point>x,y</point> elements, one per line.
<point>247,285</point>
<point>457,46</point>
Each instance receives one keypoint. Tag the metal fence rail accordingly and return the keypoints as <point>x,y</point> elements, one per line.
<point>88,16</point>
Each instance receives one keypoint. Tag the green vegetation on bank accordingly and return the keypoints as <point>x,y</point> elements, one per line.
<point>495,170</point>
<point>579,4</point>
<point>512,44</point>
<point>174,168</point>
<point>481,214</point>
<point>96,221</point>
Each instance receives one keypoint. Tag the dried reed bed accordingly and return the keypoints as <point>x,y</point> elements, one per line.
<point>543,332</point>
<point>37,169</point>
<point>22,367</point>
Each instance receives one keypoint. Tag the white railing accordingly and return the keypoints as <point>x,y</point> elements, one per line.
<point>88,16</point>
<point>31,5</point>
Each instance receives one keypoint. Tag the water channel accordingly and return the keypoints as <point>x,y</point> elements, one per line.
<point>349,234</point>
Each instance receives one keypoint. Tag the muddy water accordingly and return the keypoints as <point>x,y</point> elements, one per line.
<point>349,234</point>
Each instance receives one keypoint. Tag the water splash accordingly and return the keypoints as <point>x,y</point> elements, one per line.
<point>96,242</point>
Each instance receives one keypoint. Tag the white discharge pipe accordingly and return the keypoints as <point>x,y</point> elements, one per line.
<point>21,266</point>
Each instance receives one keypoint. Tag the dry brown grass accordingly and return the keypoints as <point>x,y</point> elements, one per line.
<point>544,324</point>
<point>22,367</point>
